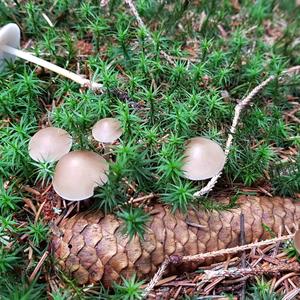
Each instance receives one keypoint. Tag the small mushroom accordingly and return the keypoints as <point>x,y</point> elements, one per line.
<point>78,173</point>
<point>203,159</point>
<point>297,241</point>
<point>10,37</point>
<point>107,130</point>
<point>10,42</point>
<point>49,144</point>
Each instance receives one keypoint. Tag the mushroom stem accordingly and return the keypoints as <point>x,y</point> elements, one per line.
<point>106,150</point>
<point>43,63</point>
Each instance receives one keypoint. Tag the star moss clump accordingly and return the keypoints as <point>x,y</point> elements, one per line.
<point>160,105</point>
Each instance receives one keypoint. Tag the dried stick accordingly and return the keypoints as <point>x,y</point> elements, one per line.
<point>292,294</point>
<point>234,250</point>
<point>254,271</point>
<point>237,112</point>
<point>143,198</point>
<point>142,25</point>
<point>198,257</point>
<point>156,278</point>
<point>38,266</point>
<point>39,211</point>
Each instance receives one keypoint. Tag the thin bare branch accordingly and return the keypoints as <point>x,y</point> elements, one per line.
<point>237,113</point>
<point>156,278</point>
<point>252,271</point>
<point>142,25</point>
<point>200,257</point>
<point>234,250</point>
<point>38,266</point>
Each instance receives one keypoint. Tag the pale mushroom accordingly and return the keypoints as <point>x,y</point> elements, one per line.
<point>78,173</point>
<point>297,241</point>
<point>49,144</point>
<point>203,159</point>
<point>10,42</point>
<point>107,130</point>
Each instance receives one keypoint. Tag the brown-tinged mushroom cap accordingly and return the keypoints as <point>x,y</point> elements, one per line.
<point>9,36</point>
<point>49,144</point>
<point>203,159</point>
<point>107,130</point>
<point>78,173</point>
<point>297,241</point>
<point>9,44</point>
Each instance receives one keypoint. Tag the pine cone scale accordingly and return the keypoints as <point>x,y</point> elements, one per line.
<point>93,247</point>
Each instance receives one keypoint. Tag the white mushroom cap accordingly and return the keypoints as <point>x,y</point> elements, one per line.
<point>49,144</point>
<point>78,173</point>
<point>9,35</point>
<point>203,159</point>
<point>107,130</point>
<point>297,241</point>
<point>9,44</point>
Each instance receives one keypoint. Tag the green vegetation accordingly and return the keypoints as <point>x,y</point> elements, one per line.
<point>159,105</point>
<point>129,290</point>
<point>262,290</point>
<point>134,221</point>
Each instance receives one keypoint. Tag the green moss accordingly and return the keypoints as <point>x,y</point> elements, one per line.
<point>160,105</point>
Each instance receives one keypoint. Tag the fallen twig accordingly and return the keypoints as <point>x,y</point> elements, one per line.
<point>39,211</point>
<point>156,278</point>
<point>143,198</point>
<point>238,110</point>
<point>142,25</point>
<point>38,266</point>
<point>285,277</point>
<point>234,250</point>
<point>256,271</point>
<point>292,294</point>
<point>199,257</point>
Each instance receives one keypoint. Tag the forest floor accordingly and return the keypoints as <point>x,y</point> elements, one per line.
<point>171,70</point>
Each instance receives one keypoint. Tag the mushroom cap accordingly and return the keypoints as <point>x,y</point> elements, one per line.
<point>297,241</point>
<point>78,173</point>
<point>9,35</point>
<point>107,130</point>
<point>203,159</point>
<point>49,144</point>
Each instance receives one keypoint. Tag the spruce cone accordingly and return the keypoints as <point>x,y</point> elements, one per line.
<point>92,247</point>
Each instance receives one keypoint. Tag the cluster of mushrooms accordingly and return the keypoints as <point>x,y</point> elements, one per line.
<point>78,173</point>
